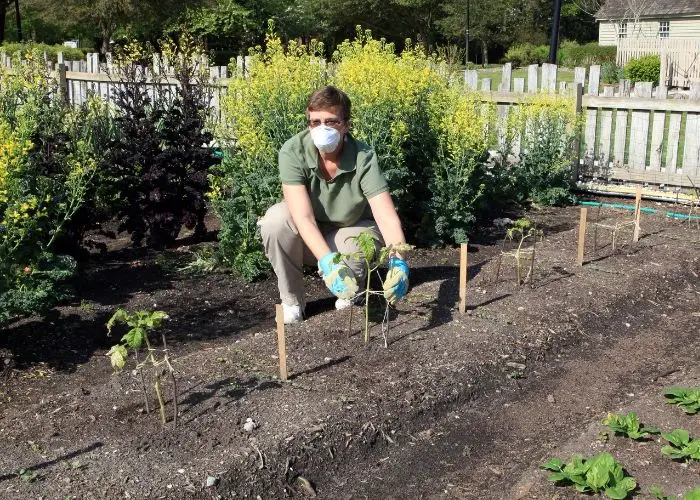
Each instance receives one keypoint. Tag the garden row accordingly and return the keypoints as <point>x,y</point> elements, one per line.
<point>157,165</point>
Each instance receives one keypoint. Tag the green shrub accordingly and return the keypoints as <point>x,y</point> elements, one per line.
<point>48,162</point>
<point>260,112</point>
<point>161,156</point>
<point>611,73</point>
<point>69,53</point>
<point>644,69</point>
<point>572,54</point>
<point>526,54</point>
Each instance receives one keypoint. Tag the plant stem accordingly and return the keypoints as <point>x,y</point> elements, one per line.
<point>143,385</point>
<point>369,276</point>
<point>156,385</point>
<point>172,377</point>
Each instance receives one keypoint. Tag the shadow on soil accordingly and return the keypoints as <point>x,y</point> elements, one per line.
<point>49,463</point>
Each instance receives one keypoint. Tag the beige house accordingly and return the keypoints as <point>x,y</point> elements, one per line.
<point>650,19</point>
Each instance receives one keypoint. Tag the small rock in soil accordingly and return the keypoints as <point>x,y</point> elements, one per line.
<point>550,398</point>
<point>249,425</point>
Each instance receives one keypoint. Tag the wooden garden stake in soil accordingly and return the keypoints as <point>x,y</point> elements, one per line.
<point>582,234</point>
<point>637,213</point>
<point>281,342</point>
<point>462,278</point>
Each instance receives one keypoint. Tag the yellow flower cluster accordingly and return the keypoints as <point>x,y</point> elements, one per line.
<point>265,105</point>
<point>385,88</point>
<point>13,152</point>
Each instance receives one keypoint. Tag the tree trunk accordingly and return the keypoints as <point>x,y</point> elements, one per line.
<point>3,15</point>
<point>484,53</point>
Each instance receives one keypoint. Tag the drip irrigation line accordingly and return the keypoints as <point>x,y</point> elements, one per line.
<point>646,210</point>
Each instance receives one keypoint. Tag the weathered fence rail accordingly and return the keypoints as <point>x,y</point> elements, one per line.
<point>632,133</point>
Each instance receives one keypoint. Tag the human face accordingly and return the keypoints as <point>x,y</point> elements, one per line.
<point>330,118</point>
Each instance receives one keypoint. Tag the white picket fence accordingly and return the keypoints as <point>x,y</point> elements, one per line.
<point>680,58</point>
<point>632,133</point>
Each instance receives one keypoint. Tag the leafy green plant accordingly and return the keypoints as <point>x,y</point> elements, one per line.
<point>140,324</point>
<point>682,446</point>
<point>600,473</point>
<point>28,475</point>
<point>205,260</point>
<point>693,494</point>
<point>521,230</point>
<point>628,425</point>
<point>688,399</point>
<point>162,153</point>
<point>644,69</point>
<point>372,258</point>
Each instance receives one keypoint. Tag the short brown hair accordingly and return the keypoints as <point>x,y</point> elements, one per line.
<point>329,97</point>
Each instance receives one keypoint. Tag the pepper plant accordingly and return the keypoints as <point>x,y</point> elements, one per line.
<point>140,324</point>
<point>372,256</point>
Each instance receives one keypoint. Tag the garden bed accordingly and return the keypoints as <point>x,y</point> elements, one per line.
<point>457,406</point>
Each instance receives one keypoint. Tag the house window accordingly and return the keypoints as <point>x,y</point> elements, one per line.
<point>664,29</point>
<point>622,30</point>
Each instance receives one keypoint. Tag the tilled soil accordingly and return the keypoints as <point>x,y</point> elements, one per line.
<point>456,406</point>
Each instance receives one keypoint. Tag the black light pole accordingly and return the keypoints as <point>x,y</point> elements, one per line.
<point>19,21</point>
<point>466,39</point>
<point>554,43</point>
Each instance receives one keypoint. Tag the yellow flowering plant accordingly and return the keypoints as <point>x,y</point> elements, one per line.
<point>48,161</point>
<point>538,149</point>
<point>263,108</point>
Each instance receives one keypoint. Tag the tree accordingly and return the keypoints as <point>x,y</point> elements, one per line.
<point>4,4</point>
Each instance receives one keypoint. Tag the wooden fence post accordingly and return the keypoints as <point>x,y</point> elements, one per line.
<point>505,80</point>
<point>463,274</point>
<point>470,79</point>
<point>532,86</point>
<point>281,342</point>
<point>62,82</point>
<point>637,213</point>
<point>582,235</point>
<point>577,141</point>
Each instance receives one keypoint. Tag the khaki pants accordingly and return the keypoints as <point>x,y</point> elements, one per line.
<point>288,254</point>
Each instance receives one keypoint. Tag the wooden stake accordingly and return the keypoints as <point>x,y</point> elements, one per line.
<point>582,234</point>
<point>463,272</point>
<point>637,213</point>
<point>281,344</point>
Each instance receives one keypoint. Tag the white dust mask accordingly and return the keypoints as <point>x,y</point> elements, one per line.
<point>325,138</point>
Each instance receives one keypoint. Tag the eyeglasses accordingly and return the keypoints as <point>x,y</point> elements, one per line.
<point>329,122</point>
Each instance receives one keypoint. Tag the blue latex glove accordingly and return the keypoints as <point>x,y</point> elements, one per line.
<point>396,281</point>
<point>338,277</point>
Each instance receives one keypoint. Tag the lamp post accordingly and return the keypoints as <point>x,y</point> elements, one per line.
<point>554,43</point>
<point>466,39</point>
<point>19,21</point>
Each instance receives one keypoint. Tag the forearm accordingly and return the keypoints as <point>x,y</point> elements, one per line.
<point>311,234</point>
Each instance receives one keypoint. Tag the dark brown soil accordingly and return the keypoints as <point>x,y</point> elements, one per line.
<point>456,407</point>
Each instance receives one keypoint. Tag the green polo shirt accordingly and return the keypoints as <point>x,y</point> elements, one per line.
<point>343,200</point>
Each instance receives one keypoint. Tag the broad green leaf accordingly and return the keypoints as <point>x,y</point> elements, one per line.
<point>581,488</point>
<point>558,476</point>
<point>577,466</point>
<point>628,483</point>
<point>617,474</point>
<point>598,476</point>
<point>117,356</point>
<point>678,437</point>
<point>672,452</point>
<point>616,492</point>
<point>554,464</point>
<point>119,316</point>
<point>134,338</point>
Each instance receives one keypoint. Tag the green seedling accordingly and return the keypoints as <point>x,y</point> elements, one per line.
<point>521,230</point>
<point>628,425</point>
<point>682,446</point>
<point>600,473</point>
<point>687,399</point>
<point>140,324</point>
<point>693,494</point>
<point>205,261</point>
<point>372,258</point>
<point>28,475</point>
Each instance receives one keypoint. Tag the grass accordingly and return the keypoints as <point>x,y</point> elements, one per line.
<point>496,75</point>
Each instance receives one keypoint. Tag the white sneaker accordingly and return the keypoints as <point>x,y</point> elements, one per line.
<point>292,314</point>
<point>343,304</point>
